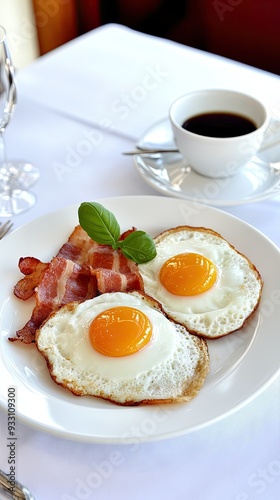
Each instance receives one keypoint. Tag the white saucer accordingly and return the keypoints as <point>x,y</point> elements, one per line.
<point>169,174</point>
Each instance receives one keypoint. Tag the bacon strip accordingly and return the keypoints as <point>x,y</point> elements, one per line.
<point>78,246</point>
<point>81,270</point>
<point>27,265</point>
<point>34,270</point>
<point>112,281</point>
<point>114,272</point>
<point>63,282</point>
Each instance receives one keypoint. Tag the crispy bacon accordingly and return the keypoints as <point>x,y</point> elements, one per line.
<point>78,246</point>
<point>27,265</point>
<point>81,248</point>
<point>81,270</point>
<point>112,281</point>
<point>114,272</point>
<point>34,270</point>
<point>63,282</point>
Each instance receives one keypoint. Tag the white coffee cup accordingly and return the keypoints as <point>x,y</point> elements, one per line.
<point>218,156</point>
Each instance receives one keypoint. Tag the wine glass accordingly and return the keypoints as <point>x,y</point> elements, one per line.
<point>15,176</point>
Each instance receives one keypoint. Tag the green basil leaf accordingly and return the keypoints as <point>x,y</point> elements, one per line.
<point>99,223</point>
<point>138,246</point>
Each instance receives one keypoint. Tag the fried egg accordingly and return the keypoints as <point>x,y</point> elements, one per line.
<point>202,281</point>
<point>122,347</point>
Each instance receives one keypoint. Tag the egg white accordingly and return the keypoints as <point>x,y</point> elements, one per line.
<point>225,306</point>
<point>162,369</point>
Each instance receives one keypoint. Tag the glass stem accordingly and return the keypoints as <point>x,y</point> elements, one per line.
<point>6,191</point>
<point>2,149</point>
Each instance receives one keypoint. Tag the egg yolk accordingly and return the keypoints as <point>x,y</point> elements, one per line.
<point>120,331</point>
<point>188,274</point>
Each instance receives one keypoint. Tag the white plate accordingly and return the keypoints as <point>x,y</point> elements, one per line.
<point>169,174</point>
<point>242,364</point>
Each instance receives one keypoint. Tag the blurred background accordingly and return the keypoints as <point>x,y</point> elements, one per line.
<point>244,30</point>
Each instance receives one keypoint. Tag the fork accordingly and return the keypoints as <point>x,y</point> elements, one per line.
<point>16,490</point>
<point>5,228</point>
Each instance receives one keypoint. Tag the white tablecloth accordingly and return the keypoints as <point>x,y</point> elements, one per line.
<point>79,108</point>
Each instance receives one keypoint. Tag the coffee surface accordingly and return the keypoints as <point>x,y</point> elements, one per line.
<point>219,124</point>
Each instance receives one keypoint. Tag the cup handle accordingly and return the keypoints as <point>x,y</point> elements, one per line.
<point>271,136</point>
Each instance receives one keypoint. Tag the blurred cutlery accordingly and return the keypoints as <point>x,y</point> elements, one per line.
<point>5,228</point>
<point>13,489</point>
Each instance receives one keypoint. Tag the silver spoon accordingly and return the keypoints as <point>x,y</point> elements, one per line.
<point>150,151</point>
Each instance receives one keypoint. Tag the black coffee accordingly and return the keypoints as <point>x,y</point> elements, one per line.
<point>219,125</point>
